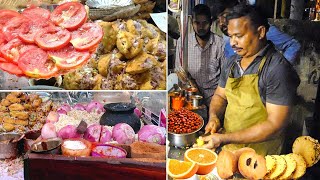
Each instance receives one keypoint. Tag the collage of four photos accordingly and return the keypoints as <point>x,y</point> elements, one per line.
<point>159,89</point>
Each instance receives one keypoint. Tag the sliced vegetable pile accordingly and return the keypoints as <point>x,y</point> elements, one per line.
<point>41,44</point>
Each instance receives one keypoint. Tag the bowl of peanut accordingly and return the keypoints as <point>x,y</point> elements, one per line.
<point>183,128</point>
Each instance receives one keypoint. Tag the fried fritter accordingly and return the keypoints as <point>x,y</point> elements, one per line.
<point>16,107</point>
<point>128,44</point>
<point>110,36</point>
<point>140,64</point>
<point>19,114</point>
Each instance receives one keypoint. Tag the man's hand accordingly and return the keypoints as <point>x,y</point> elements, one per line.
<point>212,141</point>
<point>213,125</point>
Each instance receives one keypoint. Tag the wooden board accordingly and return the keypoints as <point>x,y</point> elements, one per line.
<point>58,167</point>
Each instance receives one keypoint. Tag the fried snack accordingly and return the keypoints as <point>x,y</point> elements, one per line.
<point>21,122</point>
<point>110,36</point>
<point>27,106</point>
<point>32,116</point>
<point>147,6</point>
<point>134,27</point>
<point>125,81</point>
<point>16,107</point>
<point>149,30</point>
<point>128,44</point>
<point>8,126</point>
<point>33,97</point>
<point>16,94</point>
<point>103,64</point>
<point>3,108</point>
<point>5,102</point>
<point>291,167</point>
<point>146,84</point>
<point>19,114</point>
<point>36,103</point>
<point>140,64</point>
<point>308,148</point>
<point>23,97</point>
<point>13,99</point>
<point>8,119</point>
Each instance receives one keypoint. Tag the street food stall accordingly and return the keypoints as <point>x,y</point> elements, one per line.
<point>186,124</point>
<point>82,135</point>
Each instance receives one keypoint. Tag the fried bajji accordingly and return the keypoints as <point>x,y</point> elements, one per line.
<point>8,119</point>
<point>19,114</point>
<point>128,44</point>
<point>3,108</point>
<point>110,36</point>
<point>8,126</point>
<point>125,82</point>
<point>5,102</point>
<point>21,122</point>
<point>140,64</point>
<point>16,107</point>
<point>13,98</point>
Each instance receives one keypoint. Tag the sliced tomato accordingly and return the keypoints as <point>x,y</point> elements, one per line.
<point>36,64</point>
<point>3,60</point>
<point>53,39</point>
<point>36,14</point>
<point>70,15</point>
<point>68,57</point>
<point>11,68</point>
<point>36,27</point>
<point>2,39</point>
<point>6,15</point>
<point>10,51</point>
<point>87,36</point>
<point>15,26</point>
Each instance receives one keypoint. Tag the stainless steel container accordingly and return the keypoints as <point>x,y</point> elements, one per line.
<point>9,145</point>
<point>195,100</point>
<point>184,140</point>
<point>47,146</point>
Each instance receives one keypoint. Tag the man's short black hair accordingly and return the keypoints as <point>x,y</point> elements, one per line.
<point>256,17</point>
<point>201,9</point>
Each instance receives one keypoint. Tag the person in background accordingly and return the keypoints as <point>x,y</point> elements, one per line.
<point>256,91</point>
<point>284,43</point>
<point>205,53</point>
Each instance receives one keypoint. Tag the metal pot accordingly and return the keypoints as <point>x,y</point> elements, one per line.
<point>9,145</point>
<point>47,146</point>
<point>184,140</point>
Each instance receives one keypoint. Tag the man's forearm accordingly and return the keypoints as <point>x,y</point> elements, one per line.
<point>255,134</point>
<point>217,106</point>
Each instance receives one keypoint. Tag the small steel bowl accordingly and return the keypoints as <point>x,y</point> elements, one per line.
<point>47,146</point>
<point>186,139</point>
<point>9,145</point>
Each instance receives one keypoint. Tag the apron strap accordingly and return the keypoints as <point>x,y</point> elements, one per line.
<point>264,59</point>
<point>231,70</point>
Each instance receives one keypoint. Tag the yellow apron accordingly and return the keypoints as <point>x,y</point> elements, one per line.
<point>245,109</point>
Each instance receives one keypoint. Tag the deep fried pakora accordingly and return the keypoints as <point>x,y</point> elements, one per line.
<point>140,64</point>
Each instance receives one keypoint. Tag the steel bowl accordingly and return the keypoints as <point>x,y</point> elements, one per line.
<point>9,145</point>
<point>47,146</point>
<point>186,139</point>
<point>29,138</point>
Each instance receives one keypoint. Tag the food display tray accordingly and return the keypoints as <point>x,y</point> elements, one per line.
<point>49,166</point>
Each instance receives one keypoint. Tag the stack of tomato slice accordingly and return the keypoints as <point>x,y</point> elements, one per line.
<point>41,44</point>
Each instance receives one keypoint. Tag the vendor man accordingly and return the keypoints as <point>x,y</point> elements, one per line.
<point>256,89</point>
<point>205,52</point>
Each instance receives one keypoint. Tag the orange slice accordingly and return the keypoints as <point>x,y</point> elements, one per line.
<point>181,169</point>
<point>205,158</point>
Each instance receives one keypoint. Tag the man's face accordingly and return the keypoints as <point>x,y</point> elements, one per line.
<point>222,22</point>
<point>245,39</point>
<point>201,25</point>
